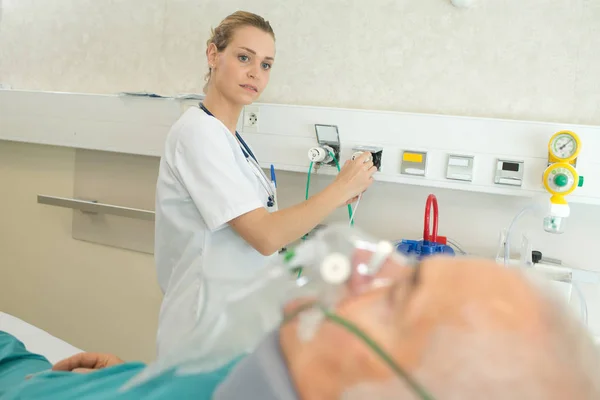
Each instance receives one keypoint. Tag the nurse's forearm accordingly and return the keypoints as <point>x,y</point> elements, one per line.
<point>269,232</point>
<point>292,223</point>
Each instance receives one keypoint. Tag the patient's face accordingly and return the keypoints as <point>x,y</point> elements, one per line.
<point>469,295</point>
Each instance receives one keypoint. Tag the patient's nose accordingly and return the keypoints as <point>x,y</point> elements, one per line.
<point>393,267</point>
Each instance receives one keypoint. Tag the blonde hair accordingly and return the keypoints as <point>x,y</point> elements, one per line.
<point>221,35</point>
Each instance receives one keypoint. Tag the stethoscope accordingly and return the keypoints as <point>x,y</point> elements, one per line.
<point>251,159</point>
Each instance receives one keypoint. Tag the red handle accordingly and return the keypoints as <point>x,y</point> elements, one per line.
<point>431,199</point>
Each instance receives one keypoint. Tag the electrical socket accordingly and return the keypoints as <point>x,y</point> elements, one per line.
<point>251,119</point>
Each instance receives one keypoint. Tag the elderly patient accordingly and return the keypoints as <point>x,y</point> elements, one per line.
<point>445,328</point>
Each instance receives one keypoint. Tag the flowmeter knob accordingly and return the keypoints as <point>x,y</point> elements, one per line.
<point>561,180</point>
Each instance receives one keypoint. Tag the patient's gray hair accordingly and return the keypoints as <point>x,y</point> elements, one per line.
<point>564,364</point>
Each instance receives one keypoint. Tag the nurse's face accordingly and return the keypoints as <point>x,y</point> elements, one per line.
<point>242,70</point>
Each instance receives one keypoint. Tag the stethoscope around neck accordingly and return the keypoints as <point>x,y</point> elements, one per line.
<point>251,159</point>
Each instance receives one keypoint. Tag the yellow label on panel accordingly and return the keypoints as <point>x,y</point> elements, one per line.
<point>412,157</point>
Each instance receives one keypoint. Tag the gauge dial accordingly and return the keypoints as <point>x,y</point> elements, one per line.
<point>564,145</point>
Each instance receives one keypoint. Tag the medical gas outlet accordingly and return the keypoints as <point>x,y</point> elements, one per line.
<point>376,154</point>
<point>561,178</point>
<point>328,138</point>
<point>321,154</point>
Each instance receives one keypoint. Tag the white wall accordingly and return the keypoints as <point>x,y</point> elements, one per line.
<point>510,59</point>
<point>532,59</point>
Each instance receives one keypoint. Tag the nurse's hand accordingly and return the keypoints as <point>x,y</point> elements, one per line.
<point>352,200</point>
<point>87,362</point>
<point>355,177</point>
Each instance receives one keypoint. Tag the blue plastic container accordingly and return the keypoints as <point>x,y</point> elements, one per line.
<point>423,248</point>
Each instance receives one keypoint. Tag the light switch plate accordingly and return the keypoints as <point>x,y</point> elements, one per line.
<point>460,168</point>
<point>509,172</point>
<point>414,163</point>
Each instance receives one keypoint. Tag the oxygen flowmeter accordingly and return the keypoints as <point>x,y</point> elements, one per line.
<point>561,178</point>
<point>328,150</point>
<point>321,154</point>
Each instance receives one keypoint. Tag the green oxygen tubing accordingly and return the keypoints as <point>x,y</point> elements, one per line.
<point>416,387</point>
<point>337,164</point>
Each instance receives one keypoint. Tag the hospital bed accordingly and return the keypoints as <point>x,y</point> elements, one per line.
<point>37,340</point>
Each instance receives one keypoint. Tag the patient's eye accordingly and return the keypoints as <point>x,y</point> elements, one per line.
<point>403,288</point>
<point>416,275</point>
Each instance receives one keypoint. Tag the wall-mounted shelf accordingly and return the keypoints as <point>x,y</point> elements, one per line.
<point>92,207</point>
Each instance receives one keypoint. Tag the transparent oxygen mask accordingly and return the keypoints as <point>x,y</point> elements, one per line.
<point>254,307</point>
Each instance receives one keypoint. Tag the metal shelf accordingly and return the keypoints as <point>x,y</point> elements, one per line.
<point>93,207</point>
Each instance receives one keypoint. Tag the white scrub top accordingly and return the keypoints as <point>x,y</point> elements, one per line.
<point>204,181</point>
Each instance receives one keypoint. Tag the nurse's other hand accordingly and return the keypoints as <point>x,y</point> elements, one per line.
<point>87,362</point>
<point>355,177</point>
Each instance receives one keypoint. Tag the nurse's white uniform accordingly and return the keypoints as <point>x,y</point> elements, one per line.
<point>204,181</point>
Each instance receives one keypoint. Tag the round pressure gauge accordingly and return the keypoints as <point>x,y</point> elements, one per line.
<point>564,146</point>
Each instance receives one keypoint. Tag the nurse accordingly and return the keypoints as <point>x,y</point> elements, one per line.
<point>216,217</point>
